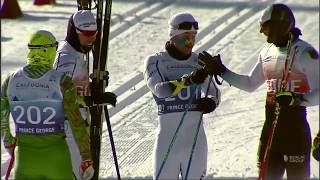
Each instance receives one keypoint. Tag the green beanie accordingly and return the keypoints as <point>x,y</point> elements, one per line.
<point>42,48</point>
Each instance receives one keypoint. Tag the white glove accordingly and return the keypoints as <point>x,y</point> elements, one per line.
<point>86,169</point>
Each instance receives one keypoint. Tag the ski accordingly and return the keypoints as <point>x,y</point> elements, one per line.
<point>96,88</point>
<point>103,68</point>
<point>99,83</point>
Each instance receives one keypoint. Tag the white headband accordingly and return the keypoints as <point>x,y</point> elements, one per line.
<point>177,19</point>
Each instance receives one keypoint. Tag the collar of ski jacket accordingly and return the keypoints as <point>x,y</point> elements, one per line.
<point>36,71</point>
<point>175,53</point>
<point>72,37</point>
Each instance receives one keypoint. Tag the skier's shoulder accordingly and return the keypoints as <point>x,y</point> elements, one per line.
<point>66,53</point>
<point>55,75</point>
<point>5,83</point>
<point>54,72</point>
<point>266,48</point>
<point>59,76</point>
<point>17,73</point>
<point>65,47</point>
<point>66,57</point>
<point>306,49</point>
<point>155,57</point>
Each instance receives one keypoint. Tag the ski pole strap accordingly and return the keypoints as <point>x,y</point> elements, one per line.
<point>217,80</point>
<point>176,133</point>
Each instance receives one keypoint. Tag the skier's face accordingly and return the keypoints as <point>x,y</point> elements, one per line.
<point>276,32</point>
<point>185,42</point>
<point>87,40</point>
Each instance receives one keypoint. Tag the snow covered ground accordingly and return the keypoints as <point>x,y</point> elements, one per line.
<point>139,29</point>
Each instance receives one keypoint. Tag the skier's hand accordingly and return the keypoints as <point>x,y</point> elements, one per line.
<point>316,147</point>
<point>206,105</point>
<point>213,64</point>
<point>106,98</point>
<point>286,99</point>
<point>86,169</point>
<point>195,77</point>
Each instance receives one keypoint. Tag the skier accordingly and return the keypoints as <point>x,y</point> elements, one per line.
<point>290,68</point>
<point>70,58</point>
<point>171,75</point>
<point>38,99</point>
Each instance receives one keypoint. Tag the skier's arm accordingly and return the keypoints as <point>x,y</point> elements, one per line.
<point>71,109</point>
<point>5,112</point>
<point>65,63</point>
<point>155,81</point>
<point>310,65</point>
<point>246,82</point>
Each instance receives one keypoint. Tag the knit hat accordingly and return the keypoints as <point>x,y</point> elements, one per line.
<point>42,48</point>
<point>84,21</point>
<point>181,18</point>
<point>278,12</point>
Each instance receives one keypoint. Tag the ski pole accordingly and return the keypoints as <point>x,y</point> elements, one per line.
<point>197,132</point>
<point>264,164</point>
<point>10,166</point>
<point>175,134</point>
<point>111,141</point>
<point>284,79</point>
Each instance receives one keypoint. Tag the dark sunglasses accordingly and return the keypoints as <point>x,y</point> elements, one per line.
<point>188,26</point>
<point>87,33</point>
<point>43,46</point>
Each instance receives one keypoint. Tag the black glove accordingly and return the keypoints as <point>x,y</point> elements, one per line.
<point>206,105</point>
<point>316,147</point>
<point>106,98</point>
<point>195,77</point>
<point>213,64</point>
<point>286,98</point>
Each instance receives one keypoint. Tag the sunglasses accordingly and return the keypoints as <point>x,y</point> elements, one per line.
<point>188,26</point>
<point>43,46</point>
<point>86,33</point>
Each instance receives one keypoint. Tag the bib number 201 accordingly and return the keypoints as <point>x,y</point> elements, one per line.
<point>37,113</point>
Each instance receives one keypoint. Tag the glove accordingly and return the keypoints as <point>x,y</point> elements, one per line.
<point>106,98</point>
<point>286,98</point>
<point>206,105</point>
<point>213,65</point>
<point>316,147</point>
<point>195,77</point>
<point>86,169</point>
